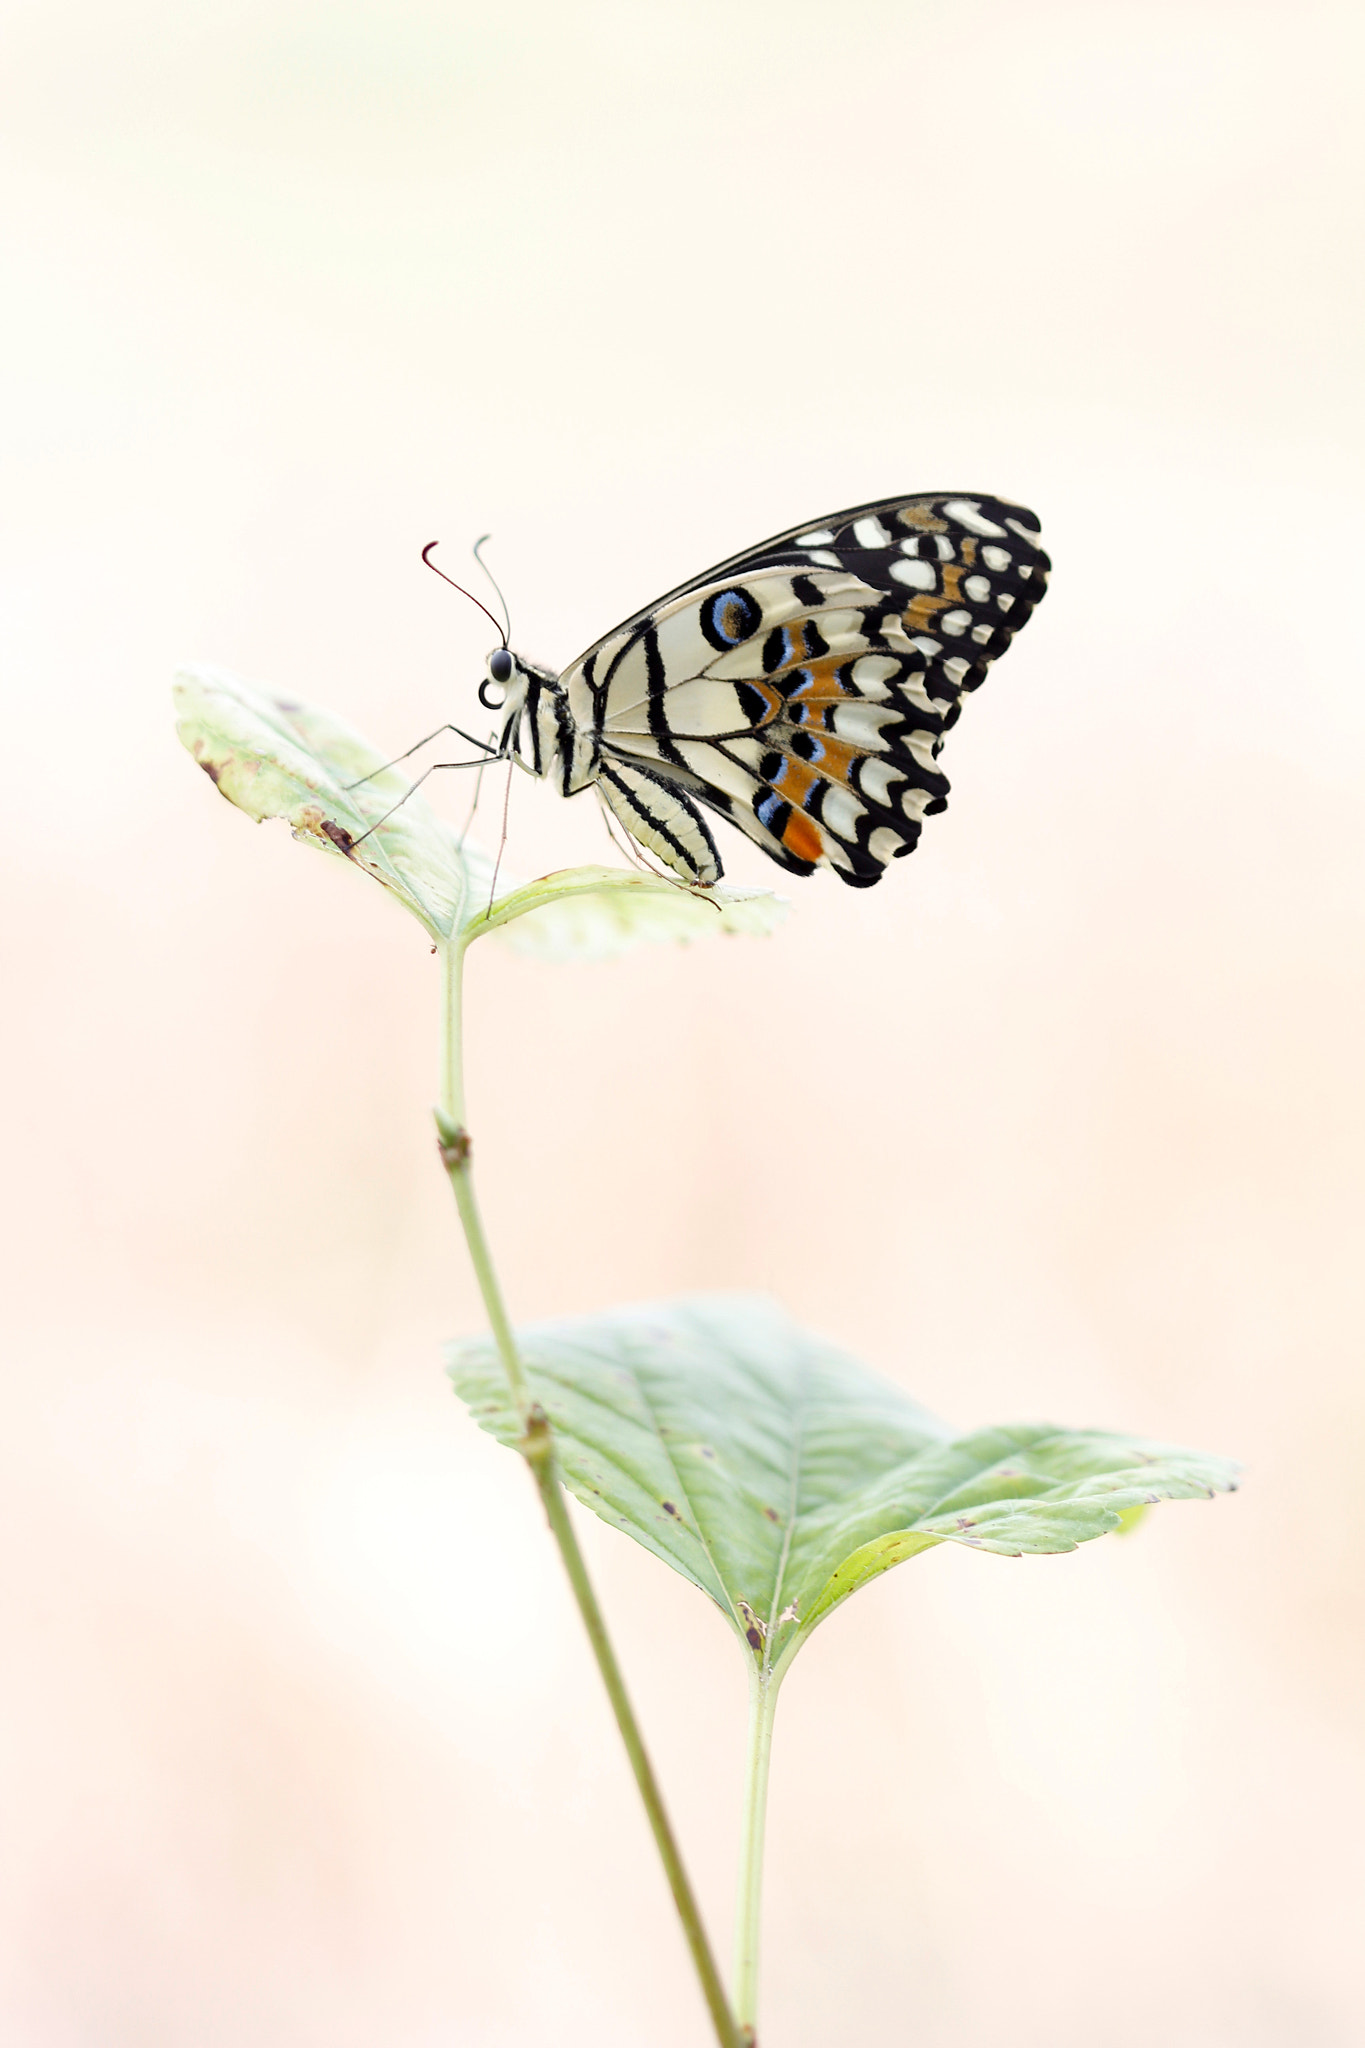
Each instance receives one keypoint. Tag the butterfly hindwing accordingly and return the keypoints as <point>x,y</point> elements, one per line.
<point>804,688</point>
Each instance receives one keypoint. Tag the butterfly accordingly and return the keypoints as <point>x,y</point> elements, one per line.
<point>802,689</point>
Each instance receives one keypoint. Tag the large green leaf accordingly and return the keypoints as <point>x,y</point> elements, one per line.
<point>779,1475</point>
<point>276,757</point>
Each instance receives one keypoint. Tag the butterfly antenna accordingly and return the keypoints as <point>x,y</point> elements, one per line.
<point>426,557</point>
<point>507,616</point>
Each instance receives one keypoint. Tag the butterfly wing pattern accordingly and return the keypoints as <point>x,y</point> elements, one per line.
<point>802,689</point>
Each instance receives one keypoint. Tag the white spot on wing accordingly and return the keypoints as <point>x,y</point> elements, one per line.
<point>840,810</point>
<point>956,623</point>
<point>978,588</point>
<point>996,558</point>
<point>969,514</point>
<point>883,844</point>
<point>862,722</point>
<point>1023,532</point>
<point>872,672</point>
<point>818,537</point>
<point>876,778</point>
<point>918,575</point>
<point>1005,600</point>
<point>955,668</point>
<point>825,558</point>
<point>870,533</point>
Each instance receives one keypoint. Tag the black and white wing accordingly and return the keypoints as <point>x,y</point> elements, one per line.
<point>803,688</point>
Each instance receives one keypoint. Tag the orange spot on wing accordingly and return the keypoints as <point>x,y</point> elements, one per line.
<point>824,686</point>
<point>801,836</point>
<point>919,616</point>
<point>795,779</point>
<point>921,518</point>
<point>836,760</point>
<point>772,697</point>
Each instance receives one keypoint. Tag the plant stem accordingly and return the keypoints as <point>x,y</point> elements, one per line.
<point>537,1448</point>
<point>763,1685</point>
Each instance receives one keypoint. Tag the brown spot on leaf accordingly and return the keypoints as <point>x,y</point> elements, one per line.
<point>753,1639</point>
<point>771,1513</point>
<point>339,836</point>
<point>669,1508</point>
<point>213,771</point>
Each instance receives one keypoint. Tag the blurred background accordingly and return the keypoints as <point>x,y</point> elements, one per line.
<point>300,1744</point>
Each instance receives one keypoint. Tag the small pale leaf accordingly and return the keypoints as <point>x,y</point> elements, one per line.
<point>275,757</point>
<point>593,913</point>
<point>779,1475</point>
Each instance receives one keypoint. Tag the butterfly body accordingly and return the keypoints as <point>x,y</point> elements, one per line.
<point>801,689</point>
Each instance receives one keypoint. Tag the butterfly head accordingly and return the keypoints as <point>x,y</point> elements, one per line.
<point>513,688</point>
<point>503,689</point>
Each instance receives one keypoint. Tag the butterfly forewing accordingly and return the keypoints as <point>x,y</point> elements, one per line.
<point>804,687</point>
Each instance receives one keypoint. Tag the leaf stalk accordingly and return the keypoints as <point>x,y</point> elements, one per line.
<point>763,1687</point>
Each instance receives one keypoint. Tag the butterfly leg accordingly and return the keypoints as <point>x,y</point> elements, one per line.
<point>489,752</point>
<point>436,766</point>
<point>661,819</point>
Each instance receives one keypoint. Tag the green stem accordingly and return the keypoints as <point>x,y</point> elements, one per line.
<point>537,1447</point>
<point>763,1685</point>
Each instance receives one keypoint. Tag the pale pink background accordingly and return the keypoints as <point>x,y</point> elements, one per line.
<point>301,1747</point>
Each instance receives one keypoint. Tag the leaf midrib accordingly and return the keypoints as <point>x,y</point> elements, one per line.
<point>685,1494</point>
<point>798,1445</point>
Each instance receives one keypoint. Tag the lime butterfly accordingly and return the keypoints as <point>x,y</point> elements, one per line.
<point>801,689</point>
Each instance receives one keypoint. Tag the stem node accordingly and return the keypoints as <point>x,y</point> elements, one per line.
<point>452,1142</point>
<point>537,1445</point>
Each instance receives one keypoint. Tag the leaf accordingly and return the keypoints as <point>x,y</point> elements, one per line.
<point>276,757</point>
<point>593,913</point>
<point>779,1475</point>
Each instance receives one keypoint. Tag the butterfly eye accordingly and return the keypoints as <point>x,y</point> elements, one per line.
<point>493,688</point>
